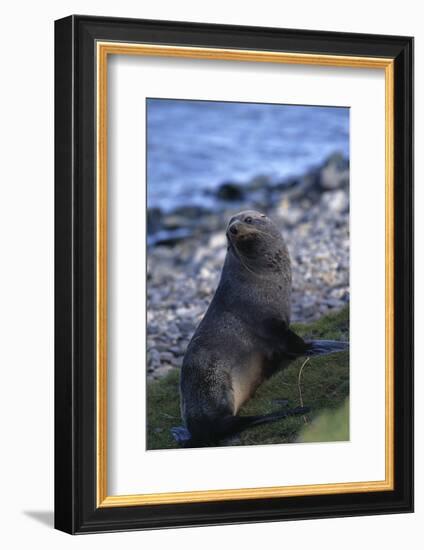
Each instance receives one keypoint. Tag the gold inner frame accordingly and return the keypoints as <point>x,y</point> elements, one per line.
<point>103,50</point>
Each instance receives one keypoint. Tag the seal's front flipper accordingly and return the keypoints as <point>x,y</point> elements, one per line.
<point>325,347</point>
<point>181,434</point>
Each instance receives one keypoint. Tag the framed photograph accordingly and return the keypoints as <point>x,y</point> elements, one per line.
<point>234,269</point>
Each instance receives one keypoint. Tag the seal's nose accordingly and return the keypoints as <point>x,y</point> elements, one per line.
<point>233,229</point>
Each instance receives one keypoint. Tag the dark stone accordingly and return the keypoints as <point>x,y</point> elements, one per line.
<point>154,217</point>
<point>259,182</point>
<point>170,238</point>
<point>335,172</point>
<point>191,212</point>
<point>174,221</point>
<point>230,191</point>
<point>337,160</point>
<point>286,184</point>
<point>307,186</point>
<point>186,327</point>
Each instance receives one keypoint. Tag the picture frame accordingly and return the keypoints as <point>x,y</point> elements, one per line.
<point>83,45</point>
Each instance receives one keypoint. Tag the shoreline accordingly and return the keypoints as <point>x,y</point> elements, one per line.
<point>188,247</point>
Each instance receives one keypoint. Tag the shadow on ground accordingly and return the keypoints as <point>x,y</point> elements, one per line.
<point>46,517</point>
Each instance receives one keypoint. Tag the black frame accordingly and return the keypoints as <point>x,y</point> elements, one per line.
<point>75,274</point>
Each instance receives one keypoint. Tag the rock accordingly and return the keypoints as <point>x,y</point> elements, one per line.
<point>259,182</point>
<point>162,346</point>
<point>153,328</point>
<point>336,201</point>
<point>166,357</point>
<point>177,362</point>
<point>307,186</point>
<point>173,332</point>
<point>335,173</point>
<point>338,161</point>
<point>218,240</point>
<point>289,212</point>
<point>162,371</point>
<point>153,359</point>
<point>333,303</point>
<point>308,307</point>
<point>174,221</point>
<point>339,293</point>
<point>192,212</point>
<point>186,327</point>
<point>170,238</point>
<point>154,216</point>
<point>286,184</point>
<point>230,191</point>
<point>177,351</point>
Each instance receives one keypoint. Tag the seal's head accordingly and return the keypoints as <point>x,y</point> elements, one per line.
<point>257,242</point>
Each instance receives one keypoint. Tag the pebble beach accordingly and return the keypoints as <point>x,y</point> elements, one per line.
<point>187,247</point>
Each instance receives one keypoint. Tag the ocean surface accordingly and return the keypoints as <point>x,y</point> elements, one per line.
<point>194,146</point>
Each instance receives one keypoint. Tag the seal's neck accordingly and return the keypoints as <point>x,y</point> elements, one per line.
<point>272,264</point>
<point>243,287</point>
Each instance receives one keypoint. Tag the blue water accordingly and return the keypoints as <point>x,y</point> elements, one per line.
<point>194,146</point>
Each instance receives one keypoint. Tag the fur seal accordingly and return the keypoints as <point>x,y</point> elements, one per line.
<point>244,337</point>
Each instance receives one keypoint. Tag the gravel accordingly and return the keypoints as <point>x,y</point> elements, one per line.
<point>183,271</point>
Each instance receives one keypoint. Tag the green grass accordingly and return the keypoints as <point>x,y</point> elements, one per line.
<point>331,425</point>
<point>324,386</point>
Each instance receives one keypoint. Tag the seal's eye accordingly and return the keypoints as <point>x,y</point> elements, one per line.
<point>248,219</point>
